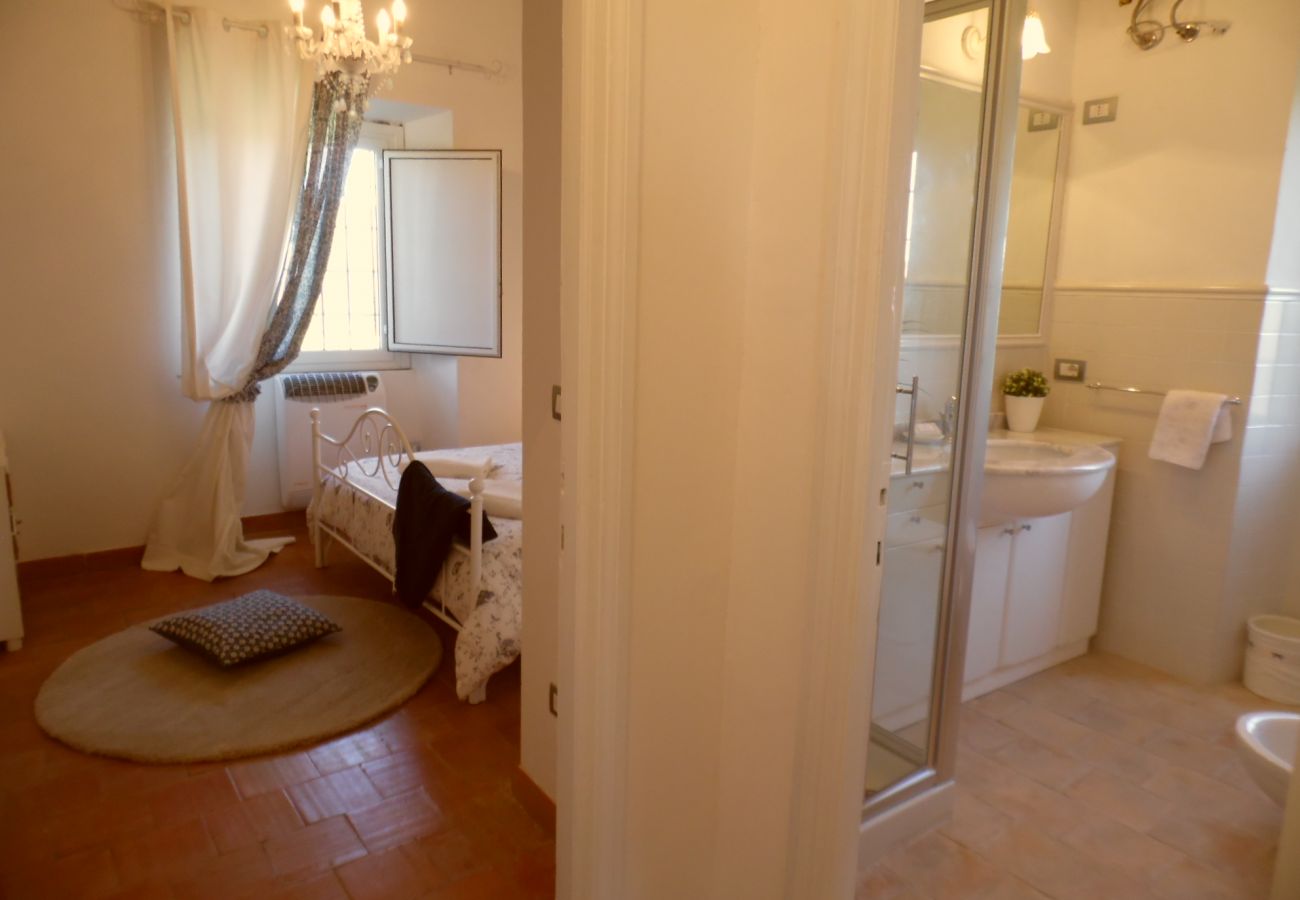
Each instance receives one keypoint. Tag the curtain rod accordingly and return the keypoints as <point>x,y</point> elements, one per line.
<point>148,11</point>
<point>495,70</point>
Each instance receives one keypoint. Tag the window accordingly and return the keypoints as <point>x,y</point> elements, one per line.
<point>415,262</point>
<point>348,326</point>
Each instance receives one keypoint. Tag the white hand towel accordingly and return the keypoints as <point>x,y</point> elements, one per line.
<point>503,499</point>
<point>1189,422</point>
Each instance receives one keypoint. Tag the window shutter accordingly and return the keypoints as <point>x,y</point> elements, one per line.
<point>442,212</point>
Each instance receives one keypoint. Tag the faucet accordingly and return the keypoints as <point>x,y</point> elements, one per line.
<point>948,421</point>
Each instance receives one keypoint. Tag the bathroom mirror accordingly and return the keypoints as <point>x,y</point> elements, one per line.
<point>940,205</point>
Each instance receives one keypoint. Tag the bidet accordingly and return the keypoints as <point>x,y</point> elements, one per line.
<point>1267,744</point>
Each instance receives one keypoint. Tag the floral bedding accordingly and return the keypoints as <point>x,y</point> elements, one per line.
<point>362,510</point>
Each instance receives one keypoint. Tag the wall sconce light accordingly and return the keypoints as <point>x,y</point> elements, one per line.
<point>1033,39</point>
<point>1147,33</point>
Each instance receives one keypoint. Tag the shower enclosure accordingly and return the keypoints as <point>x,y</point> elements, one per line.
<point>957,215</point>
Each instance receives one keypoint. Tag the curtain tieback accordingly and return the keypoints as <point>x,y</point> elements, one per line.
<point>247,395</point>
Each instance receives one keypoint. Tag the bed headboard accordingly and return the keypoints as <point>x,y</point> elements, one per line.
<point>375,446</point>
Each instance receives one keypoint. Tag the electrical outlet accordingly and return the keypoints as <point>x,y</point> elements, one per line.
<point>1071,369</point>
<point>1103,109</point>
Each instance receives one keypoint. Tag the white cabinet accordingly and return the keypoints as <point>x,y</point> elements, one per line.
<point>988,598</point>
<point>11,617</point>
<point>1035,583</point>
<point>1036,593</point>
<point>1089,529</point>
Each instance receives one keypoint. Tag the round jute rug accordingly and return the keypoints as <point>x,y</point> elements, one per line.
<point>137,696</point>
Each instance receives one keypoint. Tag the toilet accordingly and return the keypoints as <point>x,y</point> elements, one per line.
<point>1267,744</point>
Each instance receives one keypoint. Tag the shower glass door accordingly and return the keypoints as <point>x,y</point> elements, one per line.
<point>949,162</point>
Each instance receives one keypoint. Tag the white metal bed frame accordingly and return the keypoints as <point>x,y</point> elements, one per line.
<point>376,446</point>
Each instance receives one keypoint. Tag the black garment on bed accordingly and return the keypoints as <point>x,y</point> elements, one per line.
<point>428,517</point>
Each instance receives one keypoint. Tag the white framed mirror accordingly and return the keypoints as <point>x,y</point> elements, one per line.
<point>939,212</point>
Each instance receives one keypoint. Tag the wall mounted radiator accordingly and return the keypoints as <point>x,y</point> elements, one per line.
<point>341,398</point>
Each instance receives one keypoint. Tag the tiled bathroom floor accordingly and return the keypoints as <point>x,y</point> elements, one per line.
<point>1099,780</point>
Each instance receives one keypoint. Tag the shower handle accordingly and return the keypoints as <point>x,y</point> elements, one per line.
<point>913,391</point>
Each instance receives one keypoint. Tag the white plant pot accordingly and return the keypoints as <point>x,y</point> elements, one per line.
<point>1023,412</point>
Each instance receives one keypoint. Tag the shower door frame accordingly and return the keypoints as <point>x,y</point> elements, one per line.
<point>978,351</point>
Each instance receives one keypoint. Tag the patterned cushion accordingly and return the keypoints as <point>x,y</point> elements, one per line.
<point>250,627</point>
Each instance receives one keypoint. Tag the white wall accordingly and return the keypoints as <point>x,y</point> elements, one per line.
<point>1284,261</point>
<point>1171,528</point>
<point>1182,188</point>
<point>89,325</point>
<point>488,115</point>
<point>1043,78</point>
<point>1284,279</point>
<point>1164,207</point>
<point>542,117</point>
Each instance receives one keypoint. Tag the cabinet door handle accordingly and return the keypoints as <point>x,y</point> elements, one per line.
<point>1026,527</point>
<point>1010,531</point>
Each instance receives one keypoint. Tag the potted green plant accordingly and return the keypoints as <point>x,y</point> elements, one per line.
<point>1023,393</point>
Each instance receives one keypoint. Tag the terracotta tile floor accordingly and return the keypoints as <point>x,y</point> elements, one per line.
<point>1098,780</point>
<point>391,811</point>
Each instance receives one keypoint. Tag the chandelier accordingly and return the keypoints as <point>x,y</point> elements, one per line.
<point>342,46</point>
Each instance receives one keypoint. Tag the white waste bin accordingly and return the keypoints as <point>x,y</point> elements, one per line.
<point>1273,658</point>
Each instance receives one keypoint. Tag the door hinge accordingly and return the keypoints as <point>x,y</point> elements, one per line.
<point>551,702</point>
<point>555,402</point>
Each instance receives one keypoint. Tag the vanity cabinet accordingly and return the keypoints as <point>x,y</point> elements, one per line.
<point>1036,593</point>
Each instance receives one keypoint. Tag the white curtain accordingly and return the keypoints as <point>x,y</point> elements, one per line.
<point>239,104</point>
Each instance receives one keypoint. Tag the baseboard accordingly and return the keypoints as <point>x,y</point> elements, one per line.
<point>1011,674</point>
<point>275,522</point>
<point>129,557</point>
<point>534,800</point>
<point>80,563</point>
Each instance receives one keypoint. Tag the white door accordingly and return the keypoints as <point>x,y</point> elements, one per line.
<point>1035,588</point>
<point>988,600</point>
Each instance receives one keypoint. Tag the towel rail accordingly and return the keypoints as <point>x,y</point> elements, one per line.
<point>1098,386</point>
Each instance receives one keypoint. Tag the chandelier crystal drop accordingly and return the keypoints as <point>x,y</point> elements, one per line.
<point>343,48</point>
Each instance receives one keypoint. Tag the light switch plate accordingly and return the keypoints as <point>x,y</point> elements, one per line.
<point>1071,369</point>
<point>1042,120</point>
<point>1103,109</point>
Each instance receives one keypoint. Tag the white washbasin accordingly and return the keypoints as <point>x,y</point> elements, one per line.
<point>1029,479</point>
<point>1266,742</point>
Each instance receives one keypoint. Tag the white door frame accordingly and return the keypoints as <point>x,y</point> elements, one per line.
<point>600,207</point>
<point>866,228</point>
<point>877,62</point>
